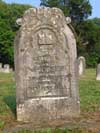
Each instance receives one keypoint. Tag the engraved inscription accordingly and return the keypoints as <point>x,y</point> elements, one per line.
<point>48,75</point>
<point>50,78</point>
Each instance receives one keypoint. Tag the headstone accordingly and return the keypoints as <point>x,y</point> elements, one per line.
<point>98,72</point>
<point>6,68</point>
<point>81,65</point>
<point>11,69</point>
<point>45,67</point>
<point>0,67</point>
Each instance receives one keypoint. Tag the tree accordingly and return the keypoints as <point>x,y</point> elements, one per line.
<point>89,31</point>
<point>8,27</point>
<point>78,10</point>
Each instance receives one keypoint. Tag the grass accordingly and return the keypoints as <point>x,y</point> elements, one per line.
<point>64,130</point>
<point>7,99</point>
<point>89,90</point>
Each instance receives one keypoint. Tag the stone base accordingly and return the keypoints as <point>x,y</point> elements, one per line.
<point>46,109</point>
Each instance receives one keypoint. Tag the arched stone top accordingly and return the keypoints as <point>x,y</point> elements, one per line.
<point>35,19</point>
<point>43,15</point>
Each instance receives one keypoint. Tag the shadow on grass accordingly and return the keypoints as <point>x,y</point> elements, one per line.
<point>11,102</point>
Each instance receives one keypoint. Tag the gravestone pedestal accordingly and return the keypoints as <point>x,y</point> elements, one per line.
<point>45,67</point>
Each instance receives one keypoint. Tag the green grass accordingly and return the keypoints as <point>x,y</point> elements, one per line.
<point>7,89</point>
<point>64,130</point>
<point>89,90</point>
<point>2,123</point>
<point>7,99</point>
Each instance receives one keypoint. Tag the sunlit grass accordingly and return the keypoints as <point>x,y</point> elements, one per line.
<point>89,90</point>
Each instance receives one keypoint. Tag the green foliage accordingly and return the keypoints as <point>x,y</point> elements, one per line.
<point>2,123</point>
<point>8,27</point>
<point>58,130</point>
<point>89,31</point>
<point>92,59</point>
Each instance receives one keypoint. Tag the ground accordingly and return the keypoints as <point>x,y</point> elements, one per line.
<point>87,122</point>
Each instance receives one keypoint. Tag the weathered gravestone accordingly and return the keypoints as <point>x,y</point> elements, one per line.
<point>98,72</point>
<point>45,67</point>
<point>81,65</point>
<point>6,68</point>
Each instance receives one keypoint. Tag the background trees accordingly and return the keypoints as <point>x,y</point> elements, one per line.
<point>87,30</point>
<point>8,27</point>
<point>78,10</point>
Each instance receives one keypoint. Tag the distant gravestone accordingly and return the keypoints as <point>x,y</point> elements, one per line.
<point>6,68</point>
<point>81,65</point>
<point>98,72</point>
<point>11,70</point>
<point>45,67</point>
<point>0,67</point>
